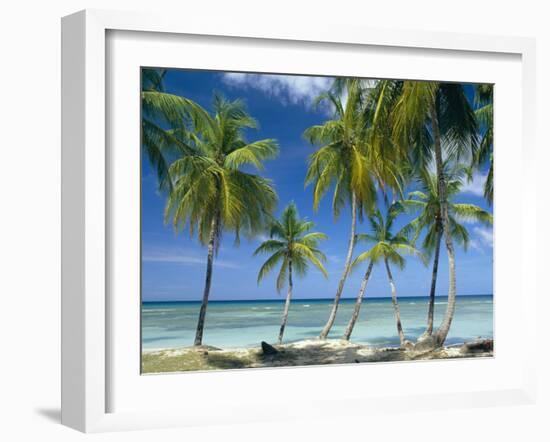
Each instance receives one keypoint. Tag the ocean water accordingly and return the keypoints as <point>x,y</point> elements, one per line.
<point>231,324</point>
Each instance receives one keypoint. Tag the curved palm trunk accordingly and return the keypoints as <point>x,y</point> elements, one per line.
<point>345,273</point>
<point>208,281</point>
<point>443,330</point>
<point>395,304</point>
<point>287,303</point>
<point>431,306</point>
<point>358,302</point>
<point>488,187</point>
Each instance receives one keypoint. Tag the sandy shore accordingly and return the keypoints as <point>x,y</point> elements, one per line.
<point>302,353</point>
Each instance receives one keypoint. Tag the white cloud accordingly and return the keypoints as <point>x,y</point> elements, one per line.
<point>484,236</point>
<point>289,89</point>
<point>475,245</point>
<point>175,257</point>
<point>475,187</point>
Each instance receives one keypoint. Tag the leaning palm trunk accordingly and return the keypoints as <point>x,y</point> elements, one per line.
<point>443,330</point>
<point>358,302</point>
<point>208,282</point>
<point>345,273</point>
<point>395,304</point>
<point>431,306</point>
<point>287,303</point>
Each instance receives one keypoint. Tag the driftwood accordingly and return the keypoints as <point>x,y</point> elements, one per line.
<point>478,346</point>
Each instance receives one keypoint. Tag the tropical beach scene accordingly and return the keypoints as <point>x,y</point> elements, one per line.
<point>301,220</point>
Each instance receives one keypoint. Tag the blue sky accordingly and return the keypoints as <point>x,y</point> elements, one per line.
<point>173,265</point>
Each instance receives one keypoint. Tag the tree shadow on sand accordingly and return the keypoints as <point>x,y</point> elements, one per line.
<point>225,360</point>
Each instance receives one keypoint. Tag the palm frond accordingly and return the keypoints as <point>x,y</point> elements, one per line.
<point>270,264</point>
<point>365,237</point>
<point>271,245</point>
<point>459,233</point>
<point>253,153</point>
<point>457,121</point>
<point>314,258</point>
<point>471,212</point>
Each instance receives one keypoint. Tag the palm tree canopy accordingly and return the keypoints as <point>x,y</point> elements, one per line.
<point>208,183</point>
<point>153,137</point>
<point>386,244</point>
<point>164,116</point>
<point>408,157</point>
<point>152,79</point>
<point>484,114</point>
<point>412,125</point>
<point>426,200</point>
<point>291,241</point>
<point>346,159</point>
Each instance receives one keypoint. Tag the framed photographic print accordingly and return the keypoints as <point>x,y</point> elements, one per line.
<point>226,158</point>
<point>256,210</point>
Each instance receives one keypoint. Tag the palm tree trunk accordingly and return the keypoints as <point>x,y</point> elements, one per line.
<point>287,302</point>
<point>443,330</point>
<point>358,302</point>
<point>347,266</point>
<point>208,281</point>
<point>395,304</point>
<point>431,306</point>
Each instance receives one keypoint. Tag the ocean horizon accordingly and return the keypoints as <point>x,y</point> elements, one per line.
<point>245,323</point>
<point>282,299</point>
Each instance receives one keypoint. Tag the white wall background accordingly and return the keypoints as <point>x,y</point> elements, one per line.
<point>30,214</point>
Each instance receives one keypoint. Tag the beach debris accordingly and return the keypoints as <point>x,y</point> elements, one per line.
<point>477,346</point>
<point>268,350</point>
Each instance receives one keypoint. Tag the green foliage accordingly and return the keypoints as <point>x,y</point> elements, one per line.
<point>153,137</point>
<point>290,242</point>
<point>426,202</point>
<point>412,126</point>
<point>152,79</point>
<point>160,109</point>
<point>484,114</point>
<point>208,186</point>
<point>351,157</point>
<point>386,244</point>
<point>457,121</point>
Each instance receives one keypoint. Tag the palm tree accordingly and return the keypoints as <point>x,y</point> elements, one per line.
<point>444,110</point>
<point>484,114</point>
<point>292,247</point>
<point>159,111</point>
<point>153,137</point>
<point>426,200</point>
<point>211,193</point>
<point>388,247</point>
<point>346,162</point>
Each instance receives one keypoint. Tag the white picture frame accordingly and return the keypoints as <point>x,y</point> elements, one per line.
<point>85,211</point>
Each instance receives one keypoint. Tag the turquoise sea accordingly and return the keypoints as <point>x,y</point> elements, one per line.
<point>231,324</point>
